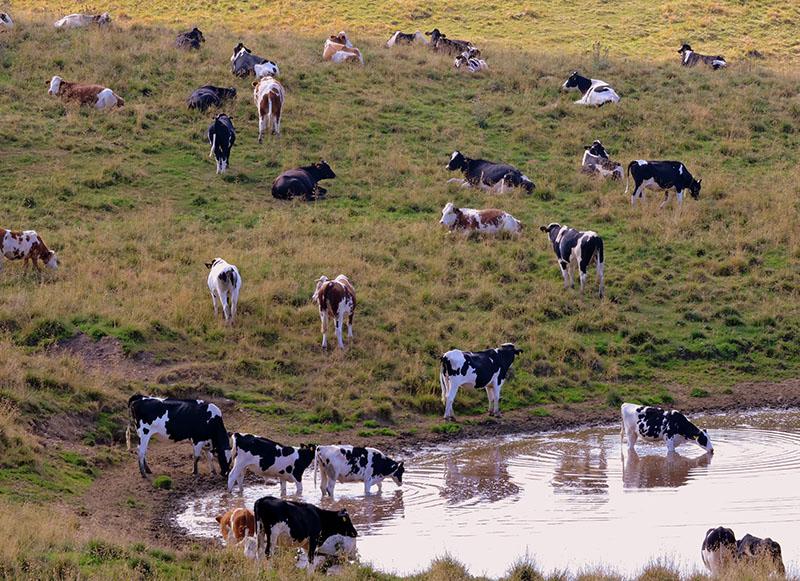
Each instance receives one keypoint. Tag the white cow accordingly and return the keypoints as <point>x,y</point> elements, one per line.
<point>224,281</point>
<point>82,20</point>
<point>267,69</point>
<point>6,22</point>
<point>593,91</point>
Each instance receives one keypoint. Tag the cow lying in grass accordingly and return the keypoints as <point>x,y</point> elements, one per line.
<point>489,221</point>
<point>236,524</point>
<point>98,96</point>
<point>720,550</point>
<point>339,49</point>
<point>595,162</point>
<point>470,61</point>
<point>82,20</point>
<point>190,40</point>
<point>689,58</point>
<point>406,38</point>
<point>28,246</point>
<point>593,91</point>
<point>488,175</point>
<point>6,22</point>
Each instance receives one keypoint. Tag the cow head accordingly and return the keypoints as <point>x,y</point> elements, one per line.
<point>55,85</point>
<point>320,281</point>
<point>511,347</point>
<point>596,149</point>
<point>704,441</point>
<point>238,49</point>
<point>50,260</point>
<point>435,34</point>
<point>210,265</point>
<point>576,82</point>
<point>450,215</point>
<point>694,188</point>
<point>685,48</point>
<point>551,229</point>
<point>397,475</point>
<point>457,161</point>
<point>227,93</point>
<point>103,18</point>
<point>323,171</point>
<point>195,33</point>
<point>344,526</point>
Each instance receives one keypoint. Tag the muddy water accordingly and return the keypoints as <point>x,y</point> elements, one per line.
<point>570,500</point>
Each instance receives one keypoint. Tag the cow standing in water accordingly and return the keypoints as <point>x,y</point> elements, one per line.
<point>653,423</point>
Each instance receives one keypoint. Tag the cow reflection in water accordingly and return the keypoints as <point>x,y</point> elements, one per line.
<point>582,468</point>
<point>367,511</point>
<point>671,471</point>
<point>480,478</point>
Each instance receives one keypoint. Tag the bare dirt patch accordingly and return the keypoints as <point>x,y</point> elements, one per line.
<point>106,356</point>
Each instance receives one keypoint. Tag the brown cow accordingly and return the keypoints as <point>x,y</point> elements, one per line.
<point>97,95</point>
<point>336,298</point>
<point>339,49</point>
<point>268,95</point>
<point>237,524</point>
<point>27,245</point>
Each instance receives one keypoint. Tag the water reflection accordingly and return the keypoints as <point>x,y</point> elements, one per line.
<point>655,470</point>
<point>368,512</point>
<point>582,468</point>
<point>480,476</point>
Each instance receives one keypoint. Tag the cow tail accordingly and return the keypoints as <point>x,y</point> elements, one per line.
<point>627,177</point>
<point>316,460</point>
<point>213,144</point>
<point>599,251</point>
<point>131,420</point>
<point>443,378</point>
<point>120,101</point>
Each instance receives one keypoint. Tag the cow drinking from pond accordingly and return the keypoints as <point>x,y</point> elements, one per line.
<point>653,423</point>
<point>355,464</point>
<point>576,249</point>
<point>270,459</point>
<point>661,175</point>
<point>336,300</point>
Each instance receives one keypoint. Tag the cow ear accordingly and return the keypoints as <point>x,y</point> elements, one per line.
<point>401,463</point>
<point>209,265</point>
<point>218,518</point>
<point>700,181</point>
<point>255,83</point>
<point>543,228</point>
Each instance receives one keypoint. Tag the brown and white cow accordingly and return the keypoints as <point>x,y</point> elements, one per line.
<point>339,49</point>
<point>236,524</point>
<point>336,299</point>
<point>488,221</point>
<point>268,95</point>
<point>97,95</point>
<point>27,245</point>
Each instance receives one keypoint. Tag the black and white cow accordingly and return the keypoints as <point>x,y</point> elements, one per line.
<point>653,423</point>
<point>406,38</point>
<point>471,61</point>
<point>595,161</point>
<point>270,459</point>
<point>355,464</point>
<point>190,40</point>
<point>6,22</point>
<point>689,58</point>
<point>487,369</point>
<point>243,61</point>
<point>661,175</point>
<point>750,548</point>
<point>440,43</point>
<point>179,419</point>
<point>718,549</point>
<point>221,135</point>
<point>575,248</point>
<point>593,91</point>
<point>210,96</point>
<point>303,181</point>
<point>298,523</point>
<point>487,174</point>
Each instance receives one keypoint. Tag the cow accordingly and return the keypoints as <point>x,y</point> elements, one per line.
<point>654,423</point>
<point>339,49</point>
<point>406,38</point>
<point>488,221</point>
<point>210,96</point>
<point>221,135</point>
<point>469,59</point>
<point>661,175</point>
<point>575,248</point>
<point>286,463</point>
<point>97,95</point>
<point>224,281</point>
<point>178,420</point>
<point>266,69</point>
<point>689,58</point>
<point>355,464</point>
<point>593,91</point>
<point>753,549</point>
<point>303,181</point>
<point>6,22</point>
<point>81,20</point>
<point>336,299</point>
<point>440,43</point>
<point>268,96</point>
<point>26,245</point>
<point>190,40</point>
<point>243,61</point>
<point>303,524</point>
<point>488,175</point>
<point>718,549</point>
<point>236,524</point>
<point>487,369</point>
<point>595,161</point>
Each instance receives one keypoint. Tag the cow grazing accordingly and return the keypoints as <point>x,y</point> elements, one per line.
<point>496,177</point>
<point>190,40</point>
<point>210,96</point>
<point>268,96</point>
<point>573,249</point>
<point>753,549</point>
<point>593,91</point>
<point>272,460</point>
<point>406,38</point>
<point>595,161</point>
<point>653,423</point>
<point>98,96</point>
<point>224,281</point>
<point>221,135</point>
<point>303,181</point>
<point>487,369</point>
<point>179,419</point>
<point>355,464</point>
<point>282,521</point>
<point>336,299</point>
<point>6,22</point>
<point>28,246</point>
<point>470,61</point>
<point>266,69</point>
<point>718,549</point>
<point>689,58</point>
<point>236,524</point>
<point>489,221</point>
<point>82,20</point>
<point>243,61</point>
<point>661,175</point>
<point>440,43</point>
<point>339,49</point>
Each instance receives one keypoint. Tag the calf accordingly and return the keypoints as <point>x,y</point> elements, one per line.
<point>575,248</point>
<point>97,95</point>
<point>440,43</point>
<point>487,369</point>
<point>224,281</point>
<point>470,60</point>
<point>718,549</point>
<point>303,181</point>
<point>593,91</point>
<point>267,69</point>
<point>595,161</point>
<point>274,460</point>
<point>210,96</point>
<point>179,419</point>
<point>661,175</point>
<point>190,40</point>
<point>652,423</point>
<point>81,20</point>
<point>487,174</point>
<point>753,549</point>
<point>243,61</point>
<point>297,523</point>
<point>268,95</point>
<point>339,49</point>
<point>489,221</point>
<point>236,524</point>
<point>221,135</point>
<point>689,58</point>
<point>336,299</point>
<point>6,22</point>
<point>28,246</point>
<point>406,38</point>
<point>354,464</point>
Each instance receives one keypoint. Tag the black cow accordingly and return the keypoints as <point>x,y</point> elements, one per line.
<point>286,463</point>
<point>440,43</point>
<point>302,523</point>
<point>486,369</point>
<point>689,58</point>
<point>179,419</point>
<point>221,135</point>
<point>653,423</point>
<point>750,548</point>
<point>303,181</point>
<point>576,248</point>
<point>190,40</point>
<point>243,61</point>
<point>718,549</point>
<point>487,174</point>
<point>661,175</point>
<point>209,96</point>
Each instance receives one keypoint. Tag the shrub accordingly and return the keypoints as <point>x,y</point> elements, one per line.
<point>162,482</point>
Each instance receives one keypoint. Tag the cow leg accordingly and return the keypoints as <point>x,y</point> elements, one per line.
<point>298,487</point>
<point>236,475</point>
<point>144,439</point>
<point>339,322</point>
<point>312,550</point>
<point>670,445</point>
<point>262,125</point>
<point>490,397</point>
<point>234,302</point>
<point>324,318</point>
<point>679,195</point>
<point>666,199</point>
<point>197,451</point>
<point>223,298</point>
<point>276,125</point>
<point>571,271</point>
<point>497,399</point>
<point>451,395</point>
<point>563,265</point>
<point>283,487</point>
<point>637,192</point>
<point>632,435</point>
<point>367,485</point>
<point>601,278</point>
<point>210,459</point>
<point>214,302</point>
<point>350,326</point>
